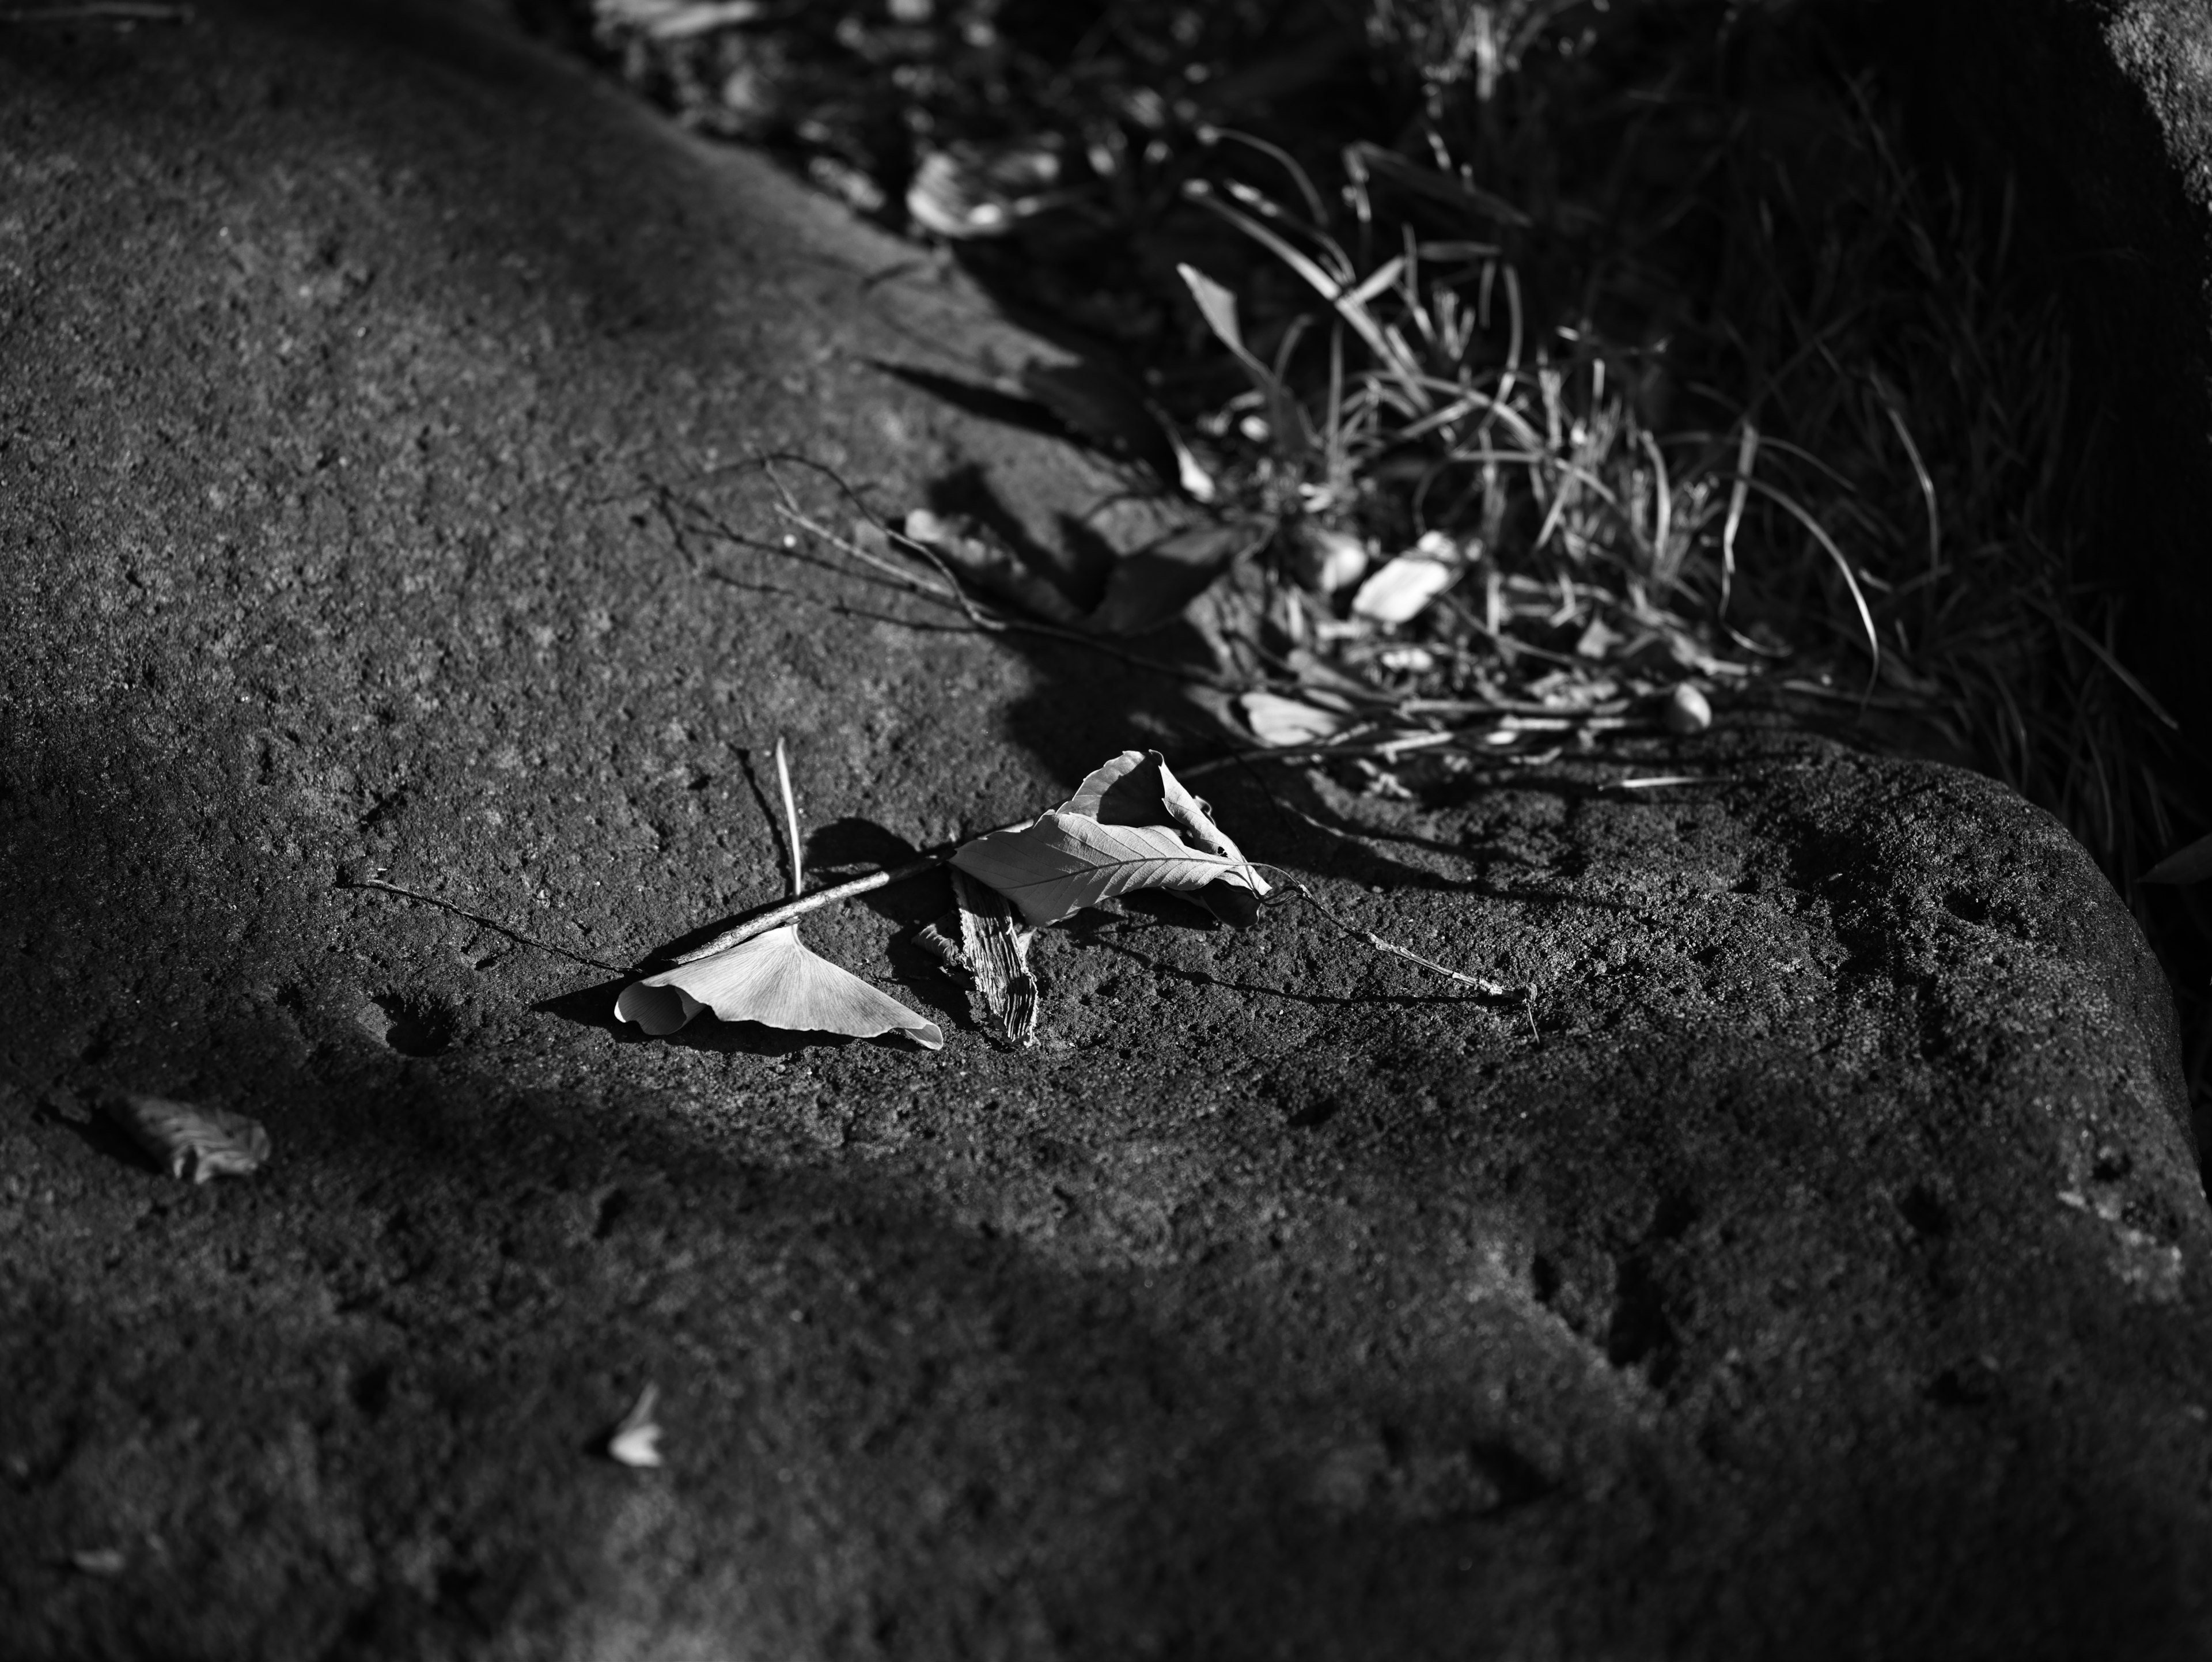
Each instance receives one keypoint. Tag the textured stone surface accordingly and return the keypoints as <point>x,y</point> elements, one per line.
<point>1821,1269</point>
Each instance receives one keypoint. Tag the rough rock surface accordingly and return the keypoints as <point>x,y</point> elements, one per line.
<point>1818,1266</point>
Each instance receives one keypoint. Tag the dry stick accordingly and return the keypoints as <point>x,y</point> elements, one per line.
<point>1481,984</point>
<point>790,819</point>
<point>492,924</point>
<point>985,620</point>
<point>799,905</point>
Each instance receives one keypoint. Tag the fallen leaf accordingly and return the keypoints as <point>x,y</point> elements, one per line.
<point>1130,825</point>
<point>198,1143</point>
<point>635,1441</point>
<point>99,1560</point>
<point>776,980</point>
<point>2189,864</point>
<point>1150,585</point>
<point>994,950</point>
<point>1401,588</point>
<point>1275,720</point>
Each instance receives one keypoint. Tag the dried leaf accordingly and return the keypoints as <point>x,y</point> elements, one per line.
<point>776,980</point>
<point>2189,864</point>
<point>1130,825</point>
<point>636,1440</point>
<point>1275,720</point>
<point>198,1143</point>
<point>1150,585</point>
<point>1401,588</point>
<point>99,1560</point>
<point>995,951</point>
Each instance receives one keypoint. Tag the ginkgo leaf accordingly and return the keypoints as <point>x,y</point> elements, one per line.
<point>776,980</point>
<point>198,1143</point>
<point>1130,825</point>
<point>1062,864</point>
<point>2189,864</point>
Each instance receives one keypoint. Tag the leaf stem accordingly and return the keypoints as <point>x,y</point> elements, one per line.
<point>1488,988</point>
<point>799,905</point>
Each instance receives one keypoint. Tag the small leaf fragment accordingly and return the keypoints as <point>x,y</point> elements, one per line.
<point>99,1560</point>
<point>778,981</point>
<point>186,1142</point>
<point>2191,863</point>
<point>996,952</point>
<point>1275,720</point>
<point>635,1440</point>
<point>1687,710</point>
<point>1399,589</point>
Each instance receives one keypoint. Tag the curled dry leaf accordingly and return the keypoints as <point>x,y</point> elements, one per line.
<point>198,1143</point>
<point>635,1440</point>
<point>1130,825</point>
<point>776,980</point>
<point>1401,588</point>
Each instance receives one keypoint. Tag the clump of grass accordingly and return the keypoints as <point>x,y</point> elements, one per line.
<point>1759,409</point>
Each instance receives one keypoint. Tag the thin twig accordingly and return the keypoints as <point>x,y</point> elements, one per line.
<point>790,819</point>
<point>1481,984</point>
<point>491,923</point>
<point>776,916</point>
